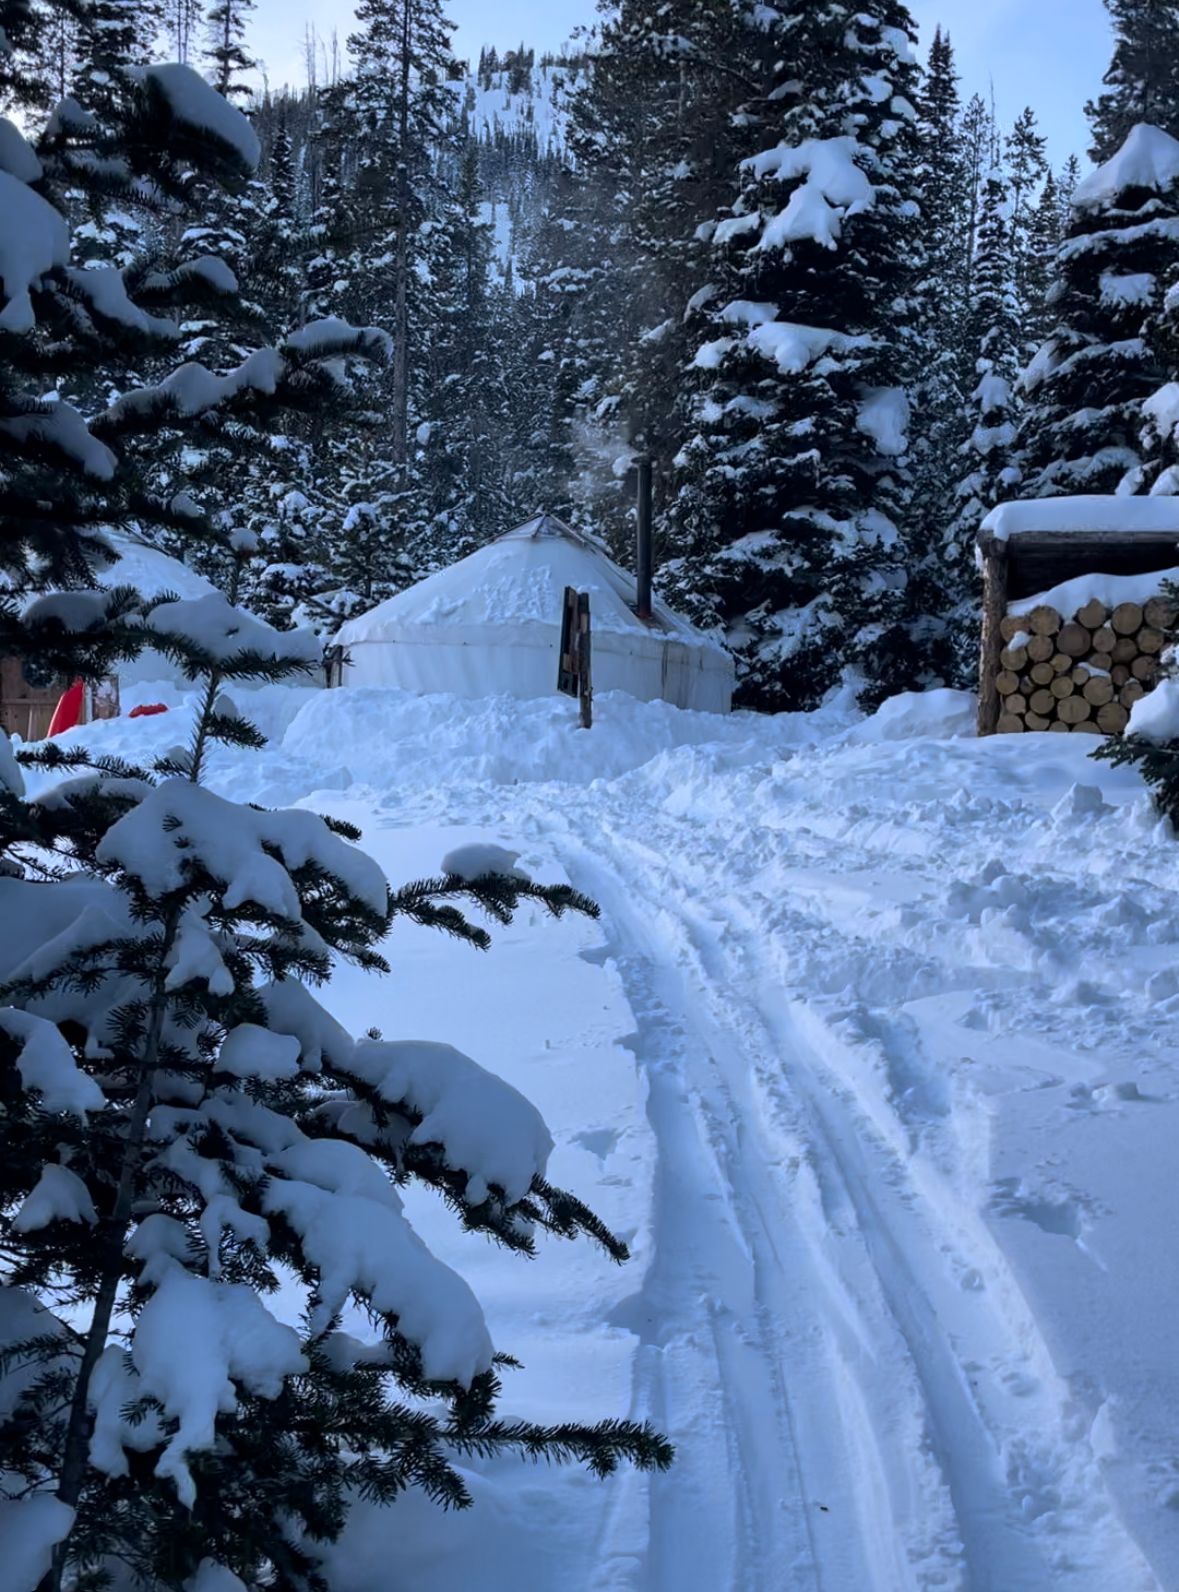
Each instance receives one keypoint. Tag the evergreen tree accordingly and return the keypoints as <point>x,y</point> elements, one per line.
<point>1160,429</point>
<point>463,406</point>
<point>793,490</point>
<point>1067,182</point>
<point>980,155</point>
<point>1045,235</point>
<point>654,147</point>
<point>59,53</point>
<point>1026,168</point>
<point>183,1121</point>
<point>112,36</point>
<point>995,325</point>
<point>229,60</point>
<point>940,391</point>
<point>1086,386</point>
<point>115,34</point>
<point>1142,84</point>
<point>403,64</point>
<point>182,20</point>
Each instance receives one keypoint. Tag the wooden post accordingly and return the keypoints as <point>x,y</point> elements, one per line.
<point>585,688</point>
<point>994,562</point>
<point>575,660</point>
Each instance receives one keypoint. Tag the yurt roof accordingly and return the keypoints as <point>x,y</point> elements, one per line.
<point>518,582</point>
<point>150,572</point>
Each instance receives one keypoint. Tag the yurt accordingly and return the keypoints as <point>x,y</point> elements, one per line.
<point>491,625</point>
<point>29,702</point>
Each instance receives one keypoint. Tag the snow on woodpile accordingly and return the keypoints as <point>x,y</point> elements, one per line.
<point>491,625</point>
<point>1083,516</point>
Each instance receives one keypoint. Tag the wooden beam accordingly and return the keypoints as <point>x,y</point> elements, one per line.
<point>585,682</point>
<point>994,561</point>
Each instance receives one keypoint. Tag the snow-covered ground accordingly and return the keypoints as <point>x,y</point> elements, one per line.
<point>869,1059</point>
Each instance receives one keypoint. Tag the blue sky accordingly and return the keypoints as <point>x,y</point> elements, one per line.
<point>1046,53</point>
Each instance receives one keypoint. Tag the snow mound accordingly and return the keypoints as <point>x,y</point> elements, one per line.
<point>1155,717</point>
<point>940,715</point>
<point>398,740</point>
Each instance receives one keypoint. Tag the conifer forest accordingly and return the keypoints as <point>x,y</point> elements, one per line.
<point>447,1144</point>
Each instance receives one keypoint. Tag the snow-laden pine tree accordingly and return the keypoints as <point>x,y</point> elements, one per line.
<point>941,292</point>
<point>1142,83</point>
<point>994,320</point>
<point>655,137</point>
<point>1085,388</point>
<point>402,109</point>
<point>1045,233</point>
<point>1026,167</point>
<point>183,1122</point>
<point>463,414</point>
<point>228,57</point>
<point>789,520</point>
<point>113,35</point>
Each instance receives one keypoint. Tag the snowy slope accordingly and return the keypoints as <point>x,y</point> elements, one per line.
<point>869,1059</point>
<point>537,108</point>
<point>519,118</point>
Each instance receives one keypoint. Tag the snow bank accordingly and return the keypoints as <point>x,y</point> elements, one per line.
<point>914,715</point>
<point>401,740</point>
<point>1093,516</point>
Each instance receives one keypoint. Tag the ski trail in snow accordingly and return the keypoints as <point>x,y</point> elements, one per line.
<point>850,1416</point>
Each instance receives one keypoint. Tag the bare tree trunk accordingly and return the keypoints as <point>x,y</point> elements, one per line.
<point>77,1443</point>
<point>76,1451</point>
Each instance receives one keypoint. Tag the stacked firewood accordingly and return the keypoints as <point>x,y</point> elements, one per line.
<point>1083,673</point>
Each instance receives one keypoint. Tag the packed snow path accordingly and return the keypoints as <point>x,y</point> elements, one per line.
<point>858,1390</point>
<point>870,1060</point>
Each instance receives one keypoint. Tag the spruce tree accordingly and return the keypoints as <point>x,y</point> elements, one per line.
<point>942,299</point>
<point>995,325</point>
<point>1045,234</point>
<point>225,50</point>
<point>654,144</point>
<point>1142,83</point>
<point>113,35</point>
<point>1086,386</point>
<point>183,1120</point>
<point>1026,169</point>
<point>789,519</point>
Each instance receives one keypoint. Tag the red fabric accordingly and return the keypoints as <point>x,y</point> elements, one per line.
<point>145,710</point>
<point>68,711</point>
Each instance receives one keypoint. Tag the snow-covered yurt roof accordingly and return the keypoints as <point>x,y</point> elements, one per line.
<point>152,574</point>
<point>491,624</point>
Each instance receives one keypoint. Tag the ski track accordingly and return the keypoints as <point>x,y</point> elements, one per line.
<point>847,1409</point>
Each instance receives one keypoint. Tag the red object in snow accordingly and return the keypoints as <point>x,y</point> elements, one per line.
<point>146,710</point>
<point>68,711</point>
